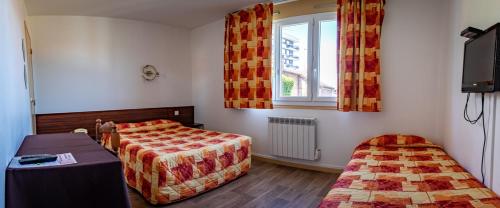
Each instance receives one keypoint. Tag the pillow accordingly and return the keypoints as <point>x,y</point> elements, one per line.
<point>146,126</point>
<point>399,140</point>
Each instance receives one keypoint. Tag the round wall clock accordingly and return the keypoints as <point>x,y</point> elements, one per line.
<point>149,73</point>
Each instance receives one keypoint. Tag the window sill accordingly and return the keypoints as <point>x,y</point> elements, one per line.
<point>306,107</point>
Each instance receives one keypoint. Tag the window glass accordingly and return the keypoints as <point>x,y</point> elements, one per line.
<point>294,57</point>
<point>327,59</point>
<point>301,43</point>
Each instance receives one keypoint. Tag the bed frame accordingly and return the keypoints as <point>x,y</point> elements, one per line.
<point>67,122</point>
<point>108,127</point>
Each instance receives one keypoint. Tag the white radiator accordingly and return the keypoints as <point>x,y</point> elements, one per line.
<point>293,137</point>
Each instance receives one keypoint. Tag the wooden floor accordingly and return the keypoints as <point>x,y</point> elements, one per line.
<point>266,185</point>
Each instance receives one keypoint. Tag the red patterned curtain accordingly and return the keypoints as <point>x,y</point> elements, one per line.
<point>358,54</point>
<point>247,58</point>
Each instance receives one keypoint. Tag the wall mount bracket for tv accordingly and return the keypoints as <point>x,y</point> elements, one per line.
<point>471,32</point>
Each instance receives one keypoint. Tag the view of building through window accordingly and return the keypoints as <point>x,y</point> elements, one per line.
<point>307,65</point>
<point>294,60</point>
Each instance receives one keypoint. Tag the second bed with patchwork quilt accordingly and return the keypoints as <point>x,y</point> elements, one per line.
<point>406,171</point>
<point>166,161</point>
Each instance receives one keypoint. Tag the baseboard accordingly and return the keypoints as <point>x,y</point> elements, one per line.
<point>299,165</point>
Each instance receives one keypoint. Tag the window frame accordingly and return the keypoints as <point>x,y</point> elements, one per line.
<point>278,24</point>
<point>317,49</point>
<point>313,61</point>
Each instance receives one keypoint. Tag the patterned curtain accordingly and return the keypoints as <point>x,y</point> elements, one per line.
<point>358,54</point>
<point>247,58</point>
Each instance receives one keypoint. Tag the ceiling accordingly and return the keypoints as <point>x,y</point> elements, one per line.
<point>180,13</point>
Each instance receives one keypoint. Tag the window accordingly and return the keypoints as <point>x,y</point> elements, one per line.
<point>305,60</point>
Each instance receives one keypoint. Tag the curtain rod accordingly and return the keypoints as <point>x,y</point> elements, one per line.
<point>278,2</point>
<point>275,2</point>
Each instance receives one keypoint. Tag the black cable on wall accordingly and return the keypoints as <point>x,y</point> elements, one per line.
<point>474,121</point>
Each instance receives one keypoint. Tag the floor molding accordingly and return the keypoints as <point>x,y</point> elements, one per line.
<point>296,165</point>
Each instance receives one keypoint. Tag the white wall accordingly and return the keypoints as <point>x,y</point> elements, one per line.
<point>412,94</point>
<point>462,140</point>
<point>421,59</point>
<point>15,119</point>
<point>94,63</point>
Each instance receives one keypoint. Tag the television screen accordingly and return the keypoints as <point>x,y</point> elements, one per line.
<point>479,63</point>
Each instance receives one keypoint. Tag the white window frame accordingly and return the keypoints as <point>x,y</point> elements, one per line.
<point>278,52</point>
<point>312,98</point>
<point>316,69</point>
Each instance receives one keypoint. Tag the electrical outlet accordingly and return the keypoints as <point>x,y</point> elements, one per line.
<point>176,113</point>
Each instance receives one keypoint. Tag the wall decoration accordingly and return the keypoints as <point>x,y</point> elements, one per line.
<point>23,48</point>
<point>25,77</point>
<point>149,73</point>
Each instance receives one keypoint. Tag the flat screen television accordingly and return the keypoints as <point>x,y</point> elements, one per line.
<point>481,67</point>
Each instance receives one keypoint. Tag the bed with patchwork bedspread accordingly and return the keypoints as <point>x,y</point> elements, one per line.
<point>167,162</point>
<point>406,171</point>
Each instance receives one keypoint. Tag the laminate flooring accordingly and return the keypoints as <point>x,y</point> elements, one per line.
<point>266,185</point>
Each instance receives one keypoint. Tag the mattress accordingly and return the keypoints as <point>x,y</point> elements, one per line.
<point>406,171</point>
<point>167,162</point>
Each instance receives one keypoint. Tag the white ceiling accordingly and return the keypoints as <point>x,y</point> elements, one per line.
<point>181,13</point>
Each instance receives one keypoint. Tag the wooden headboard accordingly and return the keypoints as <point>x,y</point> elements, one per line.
<point>67,122</point>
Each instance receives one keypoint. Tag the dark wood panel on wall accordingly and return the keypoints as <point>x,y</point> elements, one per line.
<point>67,122</point>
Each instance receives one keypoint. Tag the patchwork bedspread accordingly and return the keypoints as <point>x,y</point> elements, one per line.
<point>167,162</point>
<point>406,171</point>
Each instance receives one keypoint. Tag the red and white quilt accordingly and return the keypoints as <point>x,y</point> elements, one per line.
<point>167,162</point>
<point>406,171</point>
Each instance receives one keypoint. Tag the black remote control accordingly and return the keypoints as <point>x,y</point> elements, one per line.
<point>37,155</point>
<point>33,159</point>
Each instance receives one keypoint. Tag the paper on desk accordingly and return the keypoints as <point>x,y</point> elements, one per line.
<point>62,159</point>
